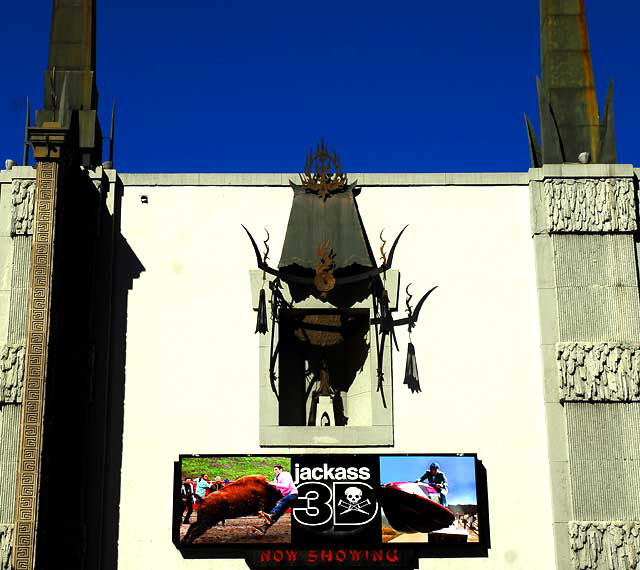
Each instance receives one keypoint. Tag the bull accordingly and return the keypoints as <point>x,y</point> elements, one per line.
<point>244,497</point>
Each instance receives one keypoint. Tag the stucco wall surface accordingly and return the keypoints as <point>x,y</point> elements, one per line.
<point>192,356</point>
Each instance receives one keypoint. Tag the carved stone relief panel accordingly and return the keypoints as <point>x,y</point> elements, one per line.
<point>604,545</point>
<point>11,374</point>
<point>590,204</point>
<point>22,201</point>
<point>6,540</point>
<point>600,372</point>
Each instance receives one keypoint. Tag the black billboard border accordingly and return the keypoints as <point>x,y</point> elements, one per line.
<point>402,556</point>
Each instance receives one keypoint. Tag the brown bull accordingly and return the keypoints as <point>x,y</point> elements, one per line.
<point>242,498</point>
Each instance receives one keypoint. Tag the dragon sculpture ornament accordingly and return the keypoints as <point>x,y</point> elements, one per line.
<point>323,177</point>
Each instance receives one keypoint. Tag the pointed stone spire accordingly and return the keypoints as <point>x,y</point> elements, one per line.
<point>569,120</point>
<point>70,92</point>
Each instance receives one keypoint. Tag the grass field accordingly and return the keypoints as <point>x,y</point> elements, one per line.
<point>232,467</point>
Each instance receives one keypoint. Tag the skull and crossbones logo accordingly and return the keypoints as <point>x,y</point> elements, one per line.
<point>354,501</point>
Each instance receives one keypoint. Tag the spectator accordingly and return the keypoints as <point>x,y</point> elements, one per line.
<point>217,484</point>
<point>202,486</point>
<point>186,494</point>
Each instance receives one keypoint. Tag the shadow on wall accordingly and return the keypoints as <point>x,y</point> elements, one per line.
<point>94,269</point>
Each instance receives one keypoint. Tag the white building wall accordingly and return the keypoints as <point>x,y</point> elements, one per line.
<point>192,357</point>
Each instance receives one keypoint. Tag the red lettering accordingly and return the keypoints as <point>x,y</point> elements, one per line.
<point>292,555</point>
<point>341,555</point>
<point>377,556</point>
<point>278,556</point>
<point>265,556</point>
<point>312,556</point>
<point>392,555</point>
<point>355,554</point>
<point>326,555</point>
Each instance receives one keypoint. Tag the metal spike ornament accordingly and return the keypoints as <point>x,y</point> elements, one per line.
<point>411,378</point>
<point>261,322</point>
<point>332,270</point>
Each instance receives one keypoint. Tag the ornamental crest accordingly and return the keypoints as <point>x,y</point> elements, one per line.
<point>322,172</point>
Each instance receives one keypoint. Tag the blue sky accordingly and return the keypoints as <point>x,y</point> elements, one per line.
<point>407,86</point>
<point>460,472</point>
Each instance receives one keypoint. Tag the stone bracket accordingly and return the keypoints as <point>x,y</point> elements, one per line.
<point>48,140</point>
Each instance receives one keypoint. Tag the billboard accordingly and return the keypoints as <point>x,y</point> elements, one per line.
<point>327,509</point>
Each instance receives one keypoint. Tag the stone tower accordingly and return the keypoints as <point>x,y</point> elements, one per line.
<point>59,236</point>
<point>584,222</point>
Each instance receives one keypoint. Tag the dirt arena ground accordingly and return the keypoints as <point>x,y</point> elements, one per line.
<point>238,531</point>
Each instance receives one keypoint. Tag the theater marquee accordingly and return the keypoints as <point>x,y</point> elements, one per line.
<point>350,509</point>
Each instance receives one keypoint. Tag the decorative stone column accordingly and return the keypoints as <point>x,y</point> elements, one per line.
<point>584,222</point>
<point>17,186</point>
<point>11,393</point>
<point>48,145</point>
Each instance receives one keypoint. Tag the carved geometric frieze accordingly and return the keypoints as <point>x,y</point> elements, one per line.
<point>598,372</point>
<point>11,373</point>
<point>605,545</point>
<point>36,359</point>
<point>22,202</point>
<point>590,204</point>
<point>6,541</point>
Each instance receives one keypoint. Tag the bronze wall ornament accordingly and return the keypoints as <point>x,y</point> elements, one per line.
<point>322,172</point>
<point>265,257</point>
<point>383,256</point>
<point>324,279</point>
<point>326,255</point>
<point>309,281</point>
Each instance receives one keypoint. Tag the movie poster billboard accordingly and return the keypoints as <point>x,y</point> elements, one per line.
<point>314,509</point>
